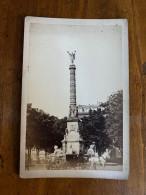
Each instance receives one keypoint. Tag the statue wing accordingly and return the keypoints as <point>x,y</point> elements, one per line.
<point>74,56</point>
<point>70,56</point>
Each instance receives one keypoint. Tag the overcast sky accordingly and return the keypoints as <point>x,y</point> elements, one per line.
<point>98,65</point>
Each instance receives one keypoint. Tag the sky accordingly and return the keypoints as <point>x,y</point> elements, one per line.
<point>98,65</point>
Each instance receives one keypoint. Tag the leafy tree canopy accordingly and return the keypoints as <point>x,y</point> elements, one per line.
<point>93,129</point>
<point>43,131</point>
<point>113,111</point>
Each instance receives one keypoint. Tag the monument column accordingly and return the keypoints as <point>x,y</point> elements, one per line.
<point>72,108</point>
<point>72,142</point>
<point>72,69</point>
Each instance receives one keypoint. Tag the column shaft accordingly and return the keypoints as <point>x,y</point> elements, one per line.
<point>72,85</point>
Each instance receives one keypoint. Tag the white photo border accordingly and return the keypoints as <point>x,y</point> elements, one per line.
<point>125,82</point>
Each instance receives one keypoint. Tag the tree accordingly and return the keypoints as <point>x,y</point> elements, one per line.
<point>43,131</point>
<point>59,131</point>
<point>93,129</point>
<point>114,118</point>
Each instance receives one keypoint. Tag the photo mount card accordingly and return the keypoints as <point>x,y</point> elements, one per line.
<point>75,99</point>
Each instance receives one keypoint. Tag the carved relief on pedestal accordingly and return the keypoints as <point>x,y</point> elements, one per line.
<point>72,127</point>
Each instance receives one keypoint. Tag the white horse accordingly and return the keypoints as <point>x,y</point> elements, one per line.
<point>100,160</point>
<point>104,157</point>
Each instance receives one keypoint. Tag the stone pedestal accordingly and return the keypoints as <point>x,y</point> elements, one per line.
<point>72,142</point>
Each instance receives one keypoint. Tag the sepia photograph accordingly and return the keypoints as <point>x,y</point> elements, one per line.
<point>75,99</point>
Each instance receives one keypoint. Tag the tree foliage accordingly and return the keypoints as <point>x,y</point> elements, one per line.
<point>43,131</point>
<point>114,118</point>
<point>93,129</point>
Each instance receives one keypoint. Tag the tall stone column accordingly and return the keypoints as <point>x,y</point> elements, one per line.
<point>73,108</point>
<point>72,142</point>
<point>72,69</point>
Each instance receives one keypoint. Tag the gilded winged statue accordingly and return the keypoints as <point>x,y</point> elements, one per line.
<point>72,56</point>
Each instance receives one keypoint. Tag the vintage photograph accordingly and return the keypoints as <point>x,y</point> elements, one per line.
<point>75,115</point>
